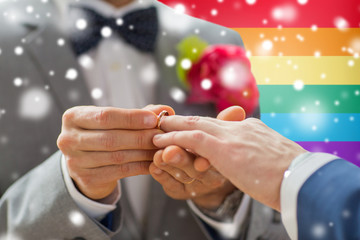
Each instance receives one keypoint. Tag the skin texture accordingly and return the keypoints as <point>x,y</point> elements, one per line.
<point>251,155</point>
<point>174,169</point>
<point>102,145</point>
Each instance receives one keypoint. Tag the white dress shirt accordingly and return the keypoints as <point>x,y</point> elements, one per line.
<point>299,171</point>
<point>119,75</point>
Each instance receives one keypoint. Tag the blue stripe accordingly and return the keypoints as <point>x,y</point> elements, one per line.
<point>315,127</point>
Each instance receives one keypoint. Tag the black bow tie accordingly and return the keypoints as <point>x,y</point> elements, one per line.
<point>138,28</point>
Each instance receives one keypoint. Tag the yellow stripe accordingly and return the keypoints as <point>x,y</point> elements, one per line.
<point>301,41</point>
<point>311,70</point>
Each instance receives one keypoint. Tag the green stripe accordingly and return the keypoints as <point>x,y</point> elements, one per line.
<point>311,99</point>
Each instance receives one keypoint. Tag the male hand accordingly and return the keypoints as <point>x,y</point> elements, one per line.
<point>174,169</point>
<point>250,154</point>
<point>104,144</point>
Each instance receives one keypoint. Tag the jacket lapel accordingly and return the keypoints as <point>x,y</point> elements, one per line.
<point>260,220</point>
<point>58,65</point>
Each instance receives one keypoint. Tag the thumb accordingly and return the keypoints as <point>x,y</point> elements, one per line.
<point>234,113</point>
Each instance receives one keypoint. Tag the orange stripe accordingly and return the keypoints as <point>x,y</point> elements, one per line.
<point>288,41</point>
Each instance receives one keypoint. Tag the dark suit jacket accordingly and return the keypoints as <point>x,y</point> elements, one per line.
<point>329,203</point>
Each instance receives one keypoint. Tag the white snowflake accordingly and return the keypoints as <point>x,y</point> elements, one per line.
<point>86,61</point>
<point>170,61</point>
<point>35,103</point>
<point>71,74</point>
<point>149,74</point>
<point>81,24</point>
<point>29,9</point>
<point>77,218</point>
<point>206,84</point>
<point>19,50</point>
<point>341,23</point>
<point>61,42</point>
<point>106,32</point>
<point>267,45</point>
<point>298,85</point>
<point>180,8</point>
<point>214,12</point>
<point>18,82</point>
<point>96,93</point>
<point>186,64</point>
<point>318,231</point>
<point>251,2</point>
<point>302,2</point>
<point>177,95</point>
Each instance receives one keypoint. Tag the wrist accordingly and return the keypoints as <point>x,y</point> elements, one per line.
<point>212,201</point>
<point>227,209</point>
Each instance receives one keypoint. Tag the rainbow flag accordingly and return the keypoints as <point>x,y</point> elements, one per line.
<point>305,58</point>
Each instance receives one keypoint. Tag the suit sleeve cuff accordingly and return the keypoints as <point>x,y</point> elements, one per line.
<point>226,229</point>
<point>299,171</point>
<point>95,209</point>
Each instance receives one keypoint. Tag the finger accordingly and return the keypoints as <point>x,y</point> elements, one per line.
<point>197,141</point>
<point>185,123</point>
<point>181,159</point>
<point>201,164</point>
<point>91,117</point>
<point>234,113</point>
<point>170,185</point>
<point>115,140</point>
<point>175,172</point>
<point>91,178</point>
<point>157,109</point>
<point>102,159</point>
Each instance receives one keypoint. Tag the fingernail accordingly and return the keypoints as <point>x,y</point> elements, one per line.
<point>157,137</point>
<point>157,171</point>
<point>175,159</point>
<point>150,121</point>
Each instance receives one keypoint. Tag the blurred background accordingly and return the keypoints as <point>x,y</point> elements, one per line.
<point>305,58</point>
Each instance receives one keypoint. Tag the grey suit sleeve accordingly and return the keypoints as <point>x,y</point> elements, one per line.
<point>38,206</point>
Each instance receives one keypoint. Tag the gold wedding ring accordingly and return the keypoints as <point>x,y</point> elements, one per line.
<point>193,180</point>
<point>160,116</point>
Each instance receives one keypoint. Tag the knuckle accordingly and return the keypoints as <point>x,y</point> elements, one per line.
<point>64,142</point>
<point>125,169</point>
<point>128,118</point>
<point>143,167</point>
<point>103,116</point>
<point>117,157</point>
<point>86,181</point>
<point>108,141</point>
<point>71,163</point>
<point>192,120</point>
<point>218,182</point>
<point>68,115</point>
<point>141,140</point>
<point>253,121</point>
<point>198,135</point>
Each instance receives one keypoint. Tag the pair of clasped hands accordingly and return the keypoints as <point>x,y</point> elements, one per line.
<point>197,158</point>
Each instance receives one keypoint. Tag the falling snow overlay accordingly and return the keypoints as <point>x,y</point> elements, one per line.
<point>305,61</point>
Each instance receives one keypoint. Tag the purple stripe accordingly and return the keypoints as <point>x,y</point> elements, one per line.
<point>347,150</point>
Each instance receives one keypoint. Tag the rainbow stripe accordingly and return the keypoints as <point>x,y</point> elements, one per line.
<point>309,76</point>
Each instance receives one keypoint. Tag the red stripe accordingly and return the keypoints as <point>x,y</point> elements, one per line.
<point>239,14</point>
